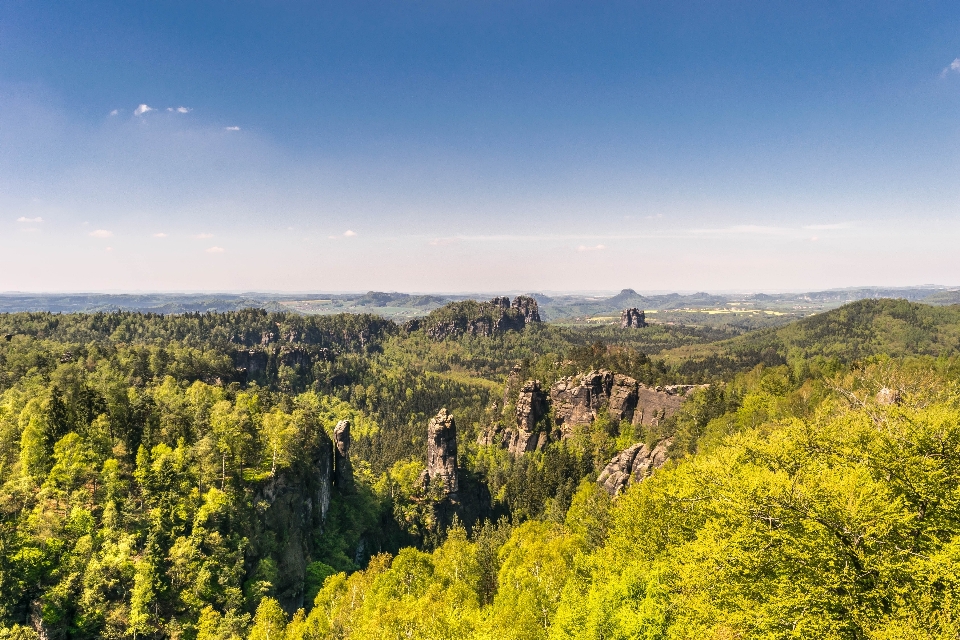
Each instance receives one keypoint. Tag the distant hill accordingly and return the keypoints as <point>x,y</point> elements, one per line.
<point>849,333</point>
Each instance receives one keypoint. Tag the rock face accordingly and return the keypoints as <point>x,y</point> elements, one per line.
<point>632,318</point>
<point>577,400</point>
<point>298,503</point>
<point>656,404</point>
<point>342,471</point>
<point>531,409</point>
<point>469,317</point>
<point>442,452</point>
<point>632,465</point>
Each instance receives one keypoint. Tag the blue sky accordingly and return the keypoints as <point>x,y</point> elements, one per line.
<point>484,146</point>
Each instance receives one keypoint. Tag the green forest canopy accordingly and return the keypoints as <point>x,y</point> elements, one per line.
<point>162,478</point>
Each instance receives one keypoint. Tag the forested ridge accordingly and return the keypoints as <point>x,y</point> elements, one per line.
<point>172,476</point>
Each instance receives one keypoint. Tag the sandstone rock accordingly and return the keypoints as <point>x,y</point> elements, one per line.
<point>631,465</point>
<point>342,470</point>
<point>887,397</point>
<point>632,318</point>
<point>528,308</point>
<point>531,409</point>
<point>576,400</point>
<point>658,403</point>
<point>442,451</point>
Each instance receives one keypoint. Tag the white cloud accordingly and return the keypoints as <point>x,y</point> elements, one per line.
<point>442,242</point>
<point>115,112</point>
<point>598,247</point>
<point>231,128</point>
<point>101,233</point>
<point>184,109</point>
<point>216,250</point>
<point>954,66</point>
<point>746,229</point>
<point>109,249</point>
<point>201,236</point>
<point>26,219</point>
<point>349,233</point>
<point>160,235</point>
<point>142,109</point>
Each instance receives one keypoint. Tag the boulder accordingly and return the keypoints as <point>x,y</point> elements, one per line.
<point>632,318</point>
<point>887,397</point>
<point>631,465</point>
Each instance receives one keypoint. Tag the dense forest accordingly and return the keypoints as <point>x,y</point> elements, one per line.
<point>255,474</point>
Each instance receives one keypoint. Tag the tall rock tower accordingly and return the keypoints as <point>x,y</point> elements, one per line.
<point>442,451</point>
<point>342,471</point>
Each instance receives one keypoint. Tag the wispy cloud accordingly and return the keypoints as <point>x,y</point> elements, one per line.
<point>101,233</point>
<point>216,250</point>
<point>179,109</point>
<point>142,109</point>
<point>115,112</point>
<point>160,235</point>
<point>835,225</point>
<point>26,219</point>
<point>349,233</point>
<point>952,67</point>
<point>745,229</point>
<point>231,128</point>
<point>598,247</point>
<point>202,236</point>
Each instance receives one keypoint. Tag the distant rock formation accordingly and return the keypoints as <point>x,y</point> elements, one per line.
<point>469,317</point>
<point>342,470</point>
<point>632,318</point>
<point>442,452</point>
<point>631,465</point>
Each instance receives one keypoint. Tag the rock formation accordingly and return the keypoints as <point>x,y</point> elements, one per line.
<point>442,452</point>
<point>342,471</point>
<point>531,409</point>
<point>656,404</point>
<point>576,400</point>
<point>632,318</point>
<point>632,465</point>
<point>497,316</point>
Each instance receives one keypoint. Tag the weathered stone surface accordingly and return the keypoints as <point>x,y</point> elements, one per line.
<point>527,307</point>
<point>342,470</point>
<point>531,409</point>
<point>632,318</point>
<point>633,464</point>
<point>576,400</point>
<point>888,397</point>
<point>442,451</point>
<point>658,403</point>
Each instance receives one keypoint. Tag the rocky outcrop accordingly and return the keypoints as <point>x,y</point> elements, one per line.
<point>576,400</point>
<point>295,505</point>
<point>632,318</point>
<point>442,452</point>
<point>658,403</point>
<point>632,465</point>
<point>527,307</point>
<point>529,434</point>
<point>342,471</point>
<point>469,317</point>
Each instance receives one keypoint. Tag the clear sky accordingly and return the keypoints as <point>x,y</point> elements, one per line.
<point>464,146</point>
